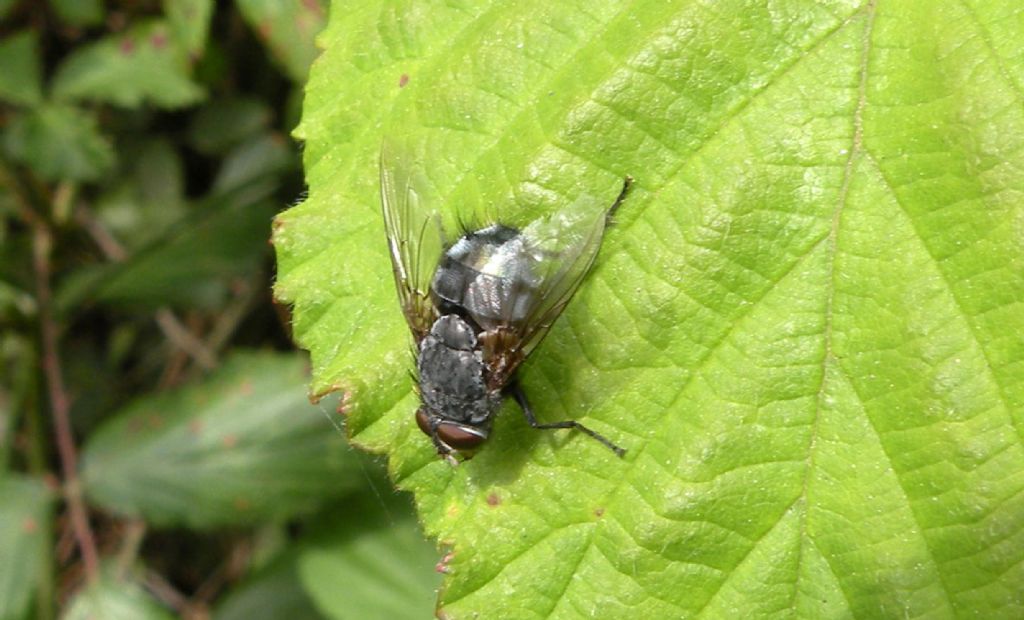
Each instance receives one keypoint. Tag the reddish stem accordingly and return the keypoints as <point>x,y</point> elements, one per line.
<point>60,404</point>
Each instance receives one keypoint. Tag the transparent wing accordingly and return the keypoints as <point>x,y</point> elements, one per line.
<point>415,238</point>
<point>562,249</point>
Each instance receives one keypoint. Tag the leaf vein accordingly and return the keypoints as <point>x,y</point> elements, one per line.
<point>986,39</point>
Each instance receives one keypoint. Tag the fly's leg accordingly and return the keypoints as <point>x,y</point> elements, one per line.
<point>442,448</point>
<point>626,184</point>
<point>517,393</point>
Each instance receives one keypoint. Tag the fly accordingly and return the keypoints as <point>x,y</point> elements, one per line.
<point>478,306</point>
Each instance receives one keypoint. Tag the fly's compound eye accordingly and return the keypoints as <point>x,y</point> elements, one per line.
<point>455,436</point>
<point>459,436</point>
<point>423,421</point>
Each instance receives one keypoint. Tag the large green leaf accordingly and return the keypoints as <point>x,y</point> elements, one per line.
<point>241,447</point>
<point>805,327</point>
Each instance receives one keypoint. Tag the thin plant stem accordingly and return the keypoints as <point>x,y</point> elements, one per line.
<point>60,404</point>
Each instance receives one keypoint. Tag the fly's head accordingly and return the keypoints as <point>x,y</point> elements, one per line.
<point>451,437</point>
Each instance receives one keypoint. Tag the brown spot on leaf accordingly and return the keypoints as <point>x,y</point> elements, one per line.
<point>452,511</point>
<point>402,81</point>
<point>313,6</point>
<point>229,441</point>
<point>116,21</point>
<point>599,512</point>
<point>242,504</point>
<point>127,46</point>
<point>316,397</point>
<point>159,40</point>
<point>195,427</point>
<point>493,499</point>
<point>29,526</point>
<point>246,387</point>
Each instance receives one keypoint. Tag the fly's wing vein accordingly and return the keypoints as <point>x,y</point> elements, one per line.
<point>415,239</point>
<point>562,249</point>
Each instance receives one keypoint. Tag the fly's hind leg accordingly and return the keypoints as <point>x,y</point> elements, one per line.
<point>516,391</point>
<point>610,213</point>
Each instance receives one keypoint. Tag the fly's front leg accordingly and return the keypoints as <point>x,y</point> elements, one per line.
<point>517,393</point>
<point>442,447</point>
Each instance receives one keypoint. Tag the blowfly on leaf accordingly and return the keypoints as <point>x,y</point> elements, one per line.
<point>480,304</point>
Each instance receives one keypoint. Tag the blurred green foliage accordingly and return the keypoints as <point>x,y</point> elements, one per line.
<point>144,150</point>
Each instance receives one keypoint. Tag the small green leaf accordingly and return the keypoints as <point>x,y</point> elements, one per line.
<point>273,593</point>
<point>224,123</point>
<point>287,28</point>
<point>79,12</point>
<point>240,447</point>
<point>375,548</point>
<point>21,79</point>
<point>260,157</point>
<point>15,300</point>
<point>112,598</point>
<point>18,379</point>
<point>24,541</point>
<point>5,7</point>
<point>59,142</point>
<point>190,23</point>
<point>190,266</point>
<point>805,325</point>
<point>149,196</point>
<point>142,65</point>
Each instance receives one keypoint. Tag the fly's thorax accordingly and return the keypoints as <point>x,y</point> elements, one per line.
<point>452,374</point>
<point>454,333</point>
<point>487,276</point>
